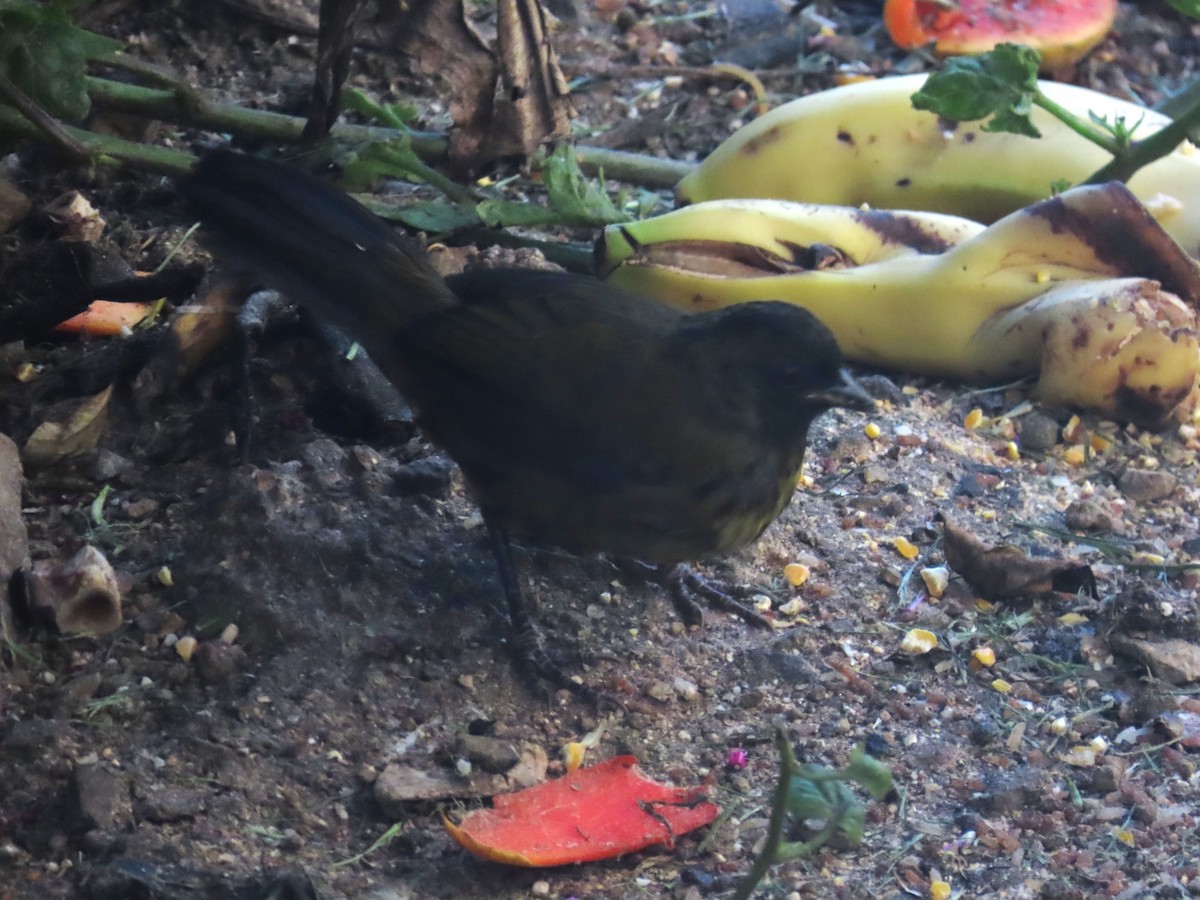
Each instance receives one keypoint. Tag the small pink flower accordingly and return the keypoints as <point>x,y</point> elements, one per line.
<point>737,759</point>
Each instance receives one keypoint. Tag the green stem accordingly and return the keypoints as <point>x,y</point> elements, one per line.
<point>1078,125</point>
<point>1159,144</point>
<point>788,768</point>
<point>103,149</point>
<point>263,125</point>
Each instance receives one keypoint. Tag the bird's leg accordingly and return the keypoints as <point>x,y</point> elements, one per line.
<point>685,583</point>
<point>528,646</point>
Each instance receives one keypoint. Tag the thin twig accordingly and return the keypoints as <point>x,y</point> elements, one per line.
<point>49,126</point>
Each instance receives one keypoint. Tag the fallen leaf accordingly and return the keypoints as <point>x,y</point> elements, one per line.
<point>53,441</point>
<point>1006,572</point>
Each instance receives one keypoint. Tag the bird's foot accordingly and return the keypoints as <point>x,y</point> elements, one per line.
<point>536,663</point>
<point>685,584</point>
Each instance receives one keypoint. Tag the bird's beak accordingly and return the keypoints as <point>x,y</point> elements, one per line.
<point>848,395</point>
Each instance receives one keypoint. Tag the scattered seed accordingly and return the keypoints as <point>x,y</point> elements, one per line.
<point>917,641</point>
<point>796,573</point>
<point>936,578</point>
<point>185,647</point>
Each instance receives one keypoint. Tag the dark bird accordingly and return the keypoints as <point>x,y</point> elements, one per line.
<point>582,416</point>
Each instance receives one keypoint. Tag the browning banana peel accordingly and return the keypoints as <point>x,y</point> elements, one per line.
<point>1084,288</point>
<point>864,143</point>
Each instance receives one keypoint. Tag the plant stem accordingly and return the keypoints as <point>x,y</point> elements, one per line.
<point>263,125</point>
<point>103,149</point>
<point>1078,125</point>
<point>787,770</point>
<point>1161,143</point>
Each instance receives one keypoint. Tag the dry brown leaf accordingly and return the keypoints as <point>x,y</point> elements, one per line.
<point>53,441</point>
<point>1006,572</point>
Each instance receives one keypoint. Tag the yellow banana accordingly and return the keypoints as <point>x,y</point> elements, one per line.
<point>864,143</point>
<point>965,312</point>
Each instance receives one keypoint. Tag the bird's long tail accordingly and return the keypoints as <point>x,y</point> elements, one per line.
<point>310,239</point>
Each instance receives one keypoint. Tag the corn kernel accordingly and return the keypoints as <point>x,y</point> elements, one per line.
<point>1001,685</point>
<point>1060,726</point>
<point>1074,456</point>
<point>185,647</point>
<point>1011,451</point>
<point>918,641</point>
<point>796,574</point>
<point>939,890</point>
<point>1072,619</point>
<point>1100,443</point>
<point>905,548</point>
<point>985,656</point>
<point>936,579</point>
<point>871,430</point>
<point>1079,756</point>
<point>974,418</point>
<point>163,576</point>
<point>1073,431</point>
<point>573,754</point>
<point>1124,835</point>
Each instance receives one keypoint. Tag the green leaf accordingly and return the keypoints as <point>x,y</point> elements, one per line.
<point>46,56</point>
<point>574,199</point>
<point>391,159</point>
<point>1187,7</point>
<point>432,216</point>
<point>1000,84</point>
<point>869,772</point>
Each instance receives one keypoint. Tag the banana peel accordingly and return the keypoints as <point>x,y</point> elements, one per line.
<point>1085,289</point>
<point>864,143</point>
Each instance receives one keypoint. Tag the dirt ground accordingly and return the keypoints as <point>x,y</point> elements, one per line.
<point>369,634</point>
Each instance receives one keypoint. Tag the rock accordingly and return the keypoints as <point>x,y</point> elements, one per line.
<point>1088,515</point>
<point>14,205</point>
<point>217,662</point>
<point>661,691</point>
<point>41,737</point>
<point>14,547</point>
<point>429,477</point>
<point>101,798</point>
<point>490,754</point>
<point>172,804</point>
<point>79,690</point>
<point>108,466</point>
<point>1016,792</point>
<point>1174,661</point>
<point>401,783</point>
<point>1146,485</point>
<point>328,460</point>
<point>1039,432</point>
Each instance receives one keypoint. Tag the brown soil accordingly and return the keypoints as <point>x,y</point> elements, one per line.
<point>368,609</point>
